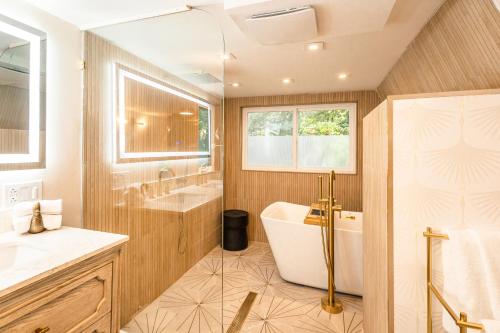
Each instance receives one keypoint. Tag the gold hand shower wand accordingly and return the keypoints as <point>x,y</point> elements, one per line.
<point>328,205</point>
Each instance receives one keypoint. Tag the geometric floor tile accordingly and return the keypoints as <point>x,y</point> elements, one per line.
<point>150,321</point>
<point>317,320</point>
<point>274,314</point>
<point>209,295</point>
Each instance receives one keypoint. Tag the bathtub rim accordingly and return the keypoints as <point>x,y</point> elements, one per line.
<point>340,227</point>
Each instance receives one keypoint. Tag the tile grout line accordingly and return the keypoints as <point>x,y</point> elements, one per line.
<point>242,314</point>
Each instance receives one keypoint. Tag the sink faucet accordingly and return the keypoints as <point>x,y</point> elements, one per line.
<point>145,190</point>
<point>169,173</point>
<point>202,171</point>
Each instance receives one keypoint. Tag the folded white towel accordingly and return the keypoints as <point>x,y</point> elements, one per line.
<point>491,326</point>
<point>21,224</point>
<point>464,286</point>
<point>46,207</point>
<point>52,222</point>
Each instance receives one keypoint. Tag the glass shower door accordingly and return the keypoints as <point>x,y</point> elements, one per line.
<point>153,152</point>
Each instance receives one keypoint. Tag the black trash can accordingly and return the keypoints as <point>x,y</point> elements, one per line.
<point>235,230</point>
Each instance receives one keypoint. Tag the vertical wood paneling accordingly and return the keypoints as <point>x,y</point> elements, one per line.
<point>14,141</point>
<point>153,121</point>
<point>14,108</point>
<point>458,49</point>
<point>14,125</point>
<point>375,222</point>
<point>254,190</point>
<point>153,259</point>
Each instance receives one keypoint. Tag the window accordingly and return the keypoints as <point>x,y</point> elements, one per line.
<point>203,129</point>
<point>302,138</point>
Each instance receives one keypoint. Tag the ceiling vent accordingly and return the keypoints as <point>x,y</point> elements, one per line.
<point>200,78</point>
<point>290,25</point>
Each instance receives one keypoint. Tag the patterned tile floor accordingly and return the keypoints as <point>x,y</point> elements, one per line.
<point>194,303</point>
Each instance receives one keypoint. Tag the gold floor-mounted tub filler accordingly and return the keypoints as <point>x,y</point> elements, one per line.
<point>326,209</point>
<point>460,320</point>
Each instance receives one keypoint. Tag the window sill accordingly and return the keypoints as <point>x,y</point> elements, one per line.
<point>317,171</point>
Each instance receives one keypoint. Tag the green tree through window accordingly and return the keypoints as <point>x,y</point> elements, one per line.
<point>328,122</point>
<point>276,123</point>
<point>203,129</point>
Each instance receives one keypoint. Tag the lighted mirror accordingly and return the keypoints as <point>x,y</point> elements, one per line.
<point>22,95</point>
<point>155,120</point>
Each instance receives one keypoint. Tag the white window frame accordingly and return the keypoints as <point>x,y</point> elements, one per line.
<point>352,107</point>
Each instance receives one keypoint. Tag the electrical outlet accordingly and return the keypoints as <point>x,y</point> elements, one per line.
<point>19,192</point>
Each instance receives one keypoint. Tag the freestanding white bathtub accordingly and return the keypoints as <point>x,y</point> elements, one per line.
<point>298,250</point>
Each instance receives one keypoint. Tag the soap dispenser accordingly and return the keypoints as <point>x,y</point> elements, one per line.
<point>36,225</point>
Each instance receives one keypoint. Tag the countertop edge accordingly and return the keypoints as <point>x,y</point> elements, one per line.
<point>57,269</point>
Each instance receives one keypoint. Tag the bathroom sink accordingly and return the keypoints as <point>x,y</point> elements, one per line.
<point>214,185</point>
<point>14,254</point>
<point>183,197</point>
<point>178,202</point>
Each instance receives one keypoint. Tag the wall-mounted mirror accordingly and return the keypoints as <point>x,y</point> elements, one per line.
<point>22,95</point>
<point>155,120</point>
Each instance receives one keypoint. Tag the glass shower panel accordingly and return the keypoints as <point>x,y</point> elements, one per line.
<point>154,165</point>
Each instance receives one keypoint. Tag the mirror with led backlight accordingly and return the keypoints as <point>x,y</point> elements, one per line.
<point>22,95</point>
<point>155,120</point>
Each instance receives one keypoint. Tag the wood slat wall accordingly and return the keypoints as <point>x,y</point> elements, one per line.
<point>163,128</point>
<point>376,265</point>
<point>14,125</point>
<point>14,108</point>
<point>163,245</point>
<point>254,190</point>
<point>458,49</point>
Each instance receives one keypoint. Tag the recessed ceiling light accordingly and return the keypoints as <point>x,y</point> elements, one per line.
<point>235,84</point>
<point>287,80</point>
<point>343,76</point>
<point>316,46</point>
<point>186,113</point>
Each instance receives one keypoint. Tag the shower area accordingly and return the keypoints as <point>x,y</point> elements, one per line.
<point>153,163</point>
<point>154,170</point>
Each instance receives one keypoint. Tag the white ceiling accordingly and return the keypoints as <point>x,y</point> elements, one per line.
<point>363,38</point>
<point>367,56</point>
<point>88,14</point>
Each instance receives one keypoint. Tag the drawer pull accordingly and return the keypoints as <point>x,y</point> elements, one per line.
<point>42,330</point>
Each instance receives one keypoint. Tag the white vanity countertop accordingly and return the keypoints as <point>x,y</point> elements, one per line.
<point>25,259</point>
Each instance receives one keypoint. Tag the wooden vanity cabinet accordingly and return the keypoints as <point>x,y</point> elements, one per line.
<point>82,297</point>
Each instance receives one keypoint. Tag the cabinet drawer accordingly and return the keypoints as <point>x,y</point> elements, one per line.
<point>102,326</point>
<point>71,309</point>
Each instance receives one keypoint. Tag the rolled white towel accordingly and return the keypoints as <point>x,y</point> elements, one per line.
<point>23,208</point>
<point>54,207</point>
<point>21,224</point>
<point>491,326</point>
<point>52,222</point>
<point>46,207</point>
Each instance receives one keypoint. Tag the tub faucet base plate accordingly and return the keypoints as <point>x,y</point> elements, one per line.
<point>334,308</point>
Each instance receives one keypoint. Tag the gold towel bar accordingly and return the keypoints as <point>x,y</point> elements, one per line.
<point>461,319</point>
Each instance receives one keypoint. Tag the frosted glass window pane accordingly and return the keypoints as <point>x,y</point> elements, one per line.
<point>323,139</point>
<point>270,139</point>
